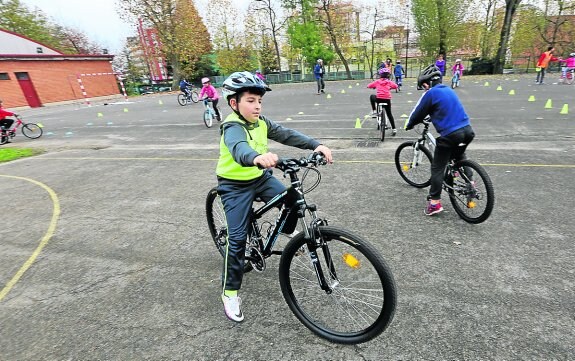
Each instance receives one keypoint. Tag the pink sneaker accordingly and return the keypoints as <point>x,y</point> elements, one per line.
<point>432,209</point>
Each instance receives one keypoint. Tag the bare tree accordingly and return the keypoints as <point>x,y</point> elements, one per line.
<point>510,9</point>
<point>275,25</point>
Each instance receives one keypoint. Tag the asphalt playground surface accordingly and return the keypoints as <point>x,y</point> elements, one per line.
<point>105,252</point>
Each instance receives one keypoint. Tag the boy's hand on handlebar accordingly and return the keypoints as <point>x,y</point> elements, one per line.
<point>325,151</point>
<point>267,160</point>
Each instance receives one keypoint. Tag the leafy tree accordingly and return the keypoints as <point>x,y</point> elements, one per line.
<point>275,24</point>
<point>16,17</point>
<point>183,36</point>
<point>238,58</point>
<point>510,9</point>
<point>438,23</point>
<point>304,33</point>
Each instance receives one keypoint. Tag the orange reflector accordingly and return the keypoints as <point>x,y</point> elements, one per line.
<point>351,260</point>
<point>471,204</point>
<point>405,167</point>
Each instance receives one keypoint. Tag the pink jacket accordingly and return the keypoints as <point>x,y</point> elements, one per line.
<point>570,62</point>
<point>5,113</point>
<point>382,87</point>
<point>210,91</point>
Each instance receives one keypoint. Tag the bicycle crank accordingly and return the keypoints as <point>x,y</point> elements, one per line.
<point>257,260</point>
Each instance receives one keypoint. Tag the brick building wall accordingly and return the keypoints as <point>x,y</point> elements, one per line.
<point>55,78</point>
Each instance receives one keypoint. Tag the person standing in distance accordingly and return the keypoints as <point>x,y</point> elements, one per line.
<point>543,63</point>
<point>319,72</point>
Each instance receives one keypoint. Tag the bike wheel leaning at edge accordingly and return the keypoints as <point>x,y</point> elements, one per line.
<point>208,118</point>
<point>362,297</point>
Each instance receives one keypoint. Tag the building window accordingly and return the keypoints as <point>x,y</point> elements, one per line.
<point>22,76</point>
<point>4,76</point>
<point>39,50</point>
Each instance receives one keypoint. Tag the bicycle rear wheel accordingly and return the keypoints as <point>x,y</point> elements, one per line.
<point>32,131</point>
<point>195,96</point>
<point>472,198</point>
<point>414,165</point>
<point>216,217</point>
<point>361,299</point>
<point>569,77</point>
<point>208,118</point>
<point>182,99</point>
<point>382,124</point>
<point>3,139</point>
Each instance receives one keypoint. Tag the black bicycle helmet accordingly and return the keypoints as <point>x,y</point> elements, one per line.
<point>242,81</point>
<point>429,75</point>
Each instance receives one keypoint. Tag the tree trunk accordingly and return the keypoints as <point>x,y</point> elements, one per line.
<point>510,8</point>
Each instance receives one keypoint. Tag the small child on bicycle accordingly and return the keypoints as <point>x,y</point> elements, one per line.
<point>6,123</point>
<point>210,94</point>
<point>458,68</point>
<point>398,72</point>
<point>244,173</point>
<point>449,118</point>
<point>383,95</point>
<point>184,87</point>
<point>569,65</point>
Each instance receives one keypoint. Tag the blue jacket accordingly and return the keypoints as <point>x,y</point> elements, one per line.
<point>398,70</point>
<point>319,71</point>
<point>444,108</point>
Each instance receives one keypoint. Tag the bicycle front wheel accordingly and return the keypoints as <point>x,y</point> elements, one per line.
<point>208,121</point>
<point>414,164</point>
<point>569,77</point>
<point>470,191</point>
<point>32,131</point>
<point>182,99</point>
<point>195,96</point>
<point>360,300</point>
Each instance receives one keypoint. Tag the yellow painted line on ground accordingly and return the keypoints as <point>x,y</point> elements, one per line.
<point>526,165</point>
<point>43,242</point>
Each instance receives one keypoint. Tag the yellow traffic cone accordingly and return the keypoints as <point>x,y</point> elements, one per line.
<point>125,110</point>
<point>350,86</point>
<point>486,83</point>
<point>100,115</point>
<point>160,102</point>
<point>499,88</point>
<point>531,98</point>
<point>343,91</point>
<point>565,109</point>
<point>358,123</point>
<point>549,104</point>
<point>404,115</point>
<point>512,92</point>
<point>328,96</point>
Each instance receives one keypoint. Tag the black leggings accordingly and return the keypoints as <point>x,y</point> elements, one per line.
<point>6,123</point>
<point>386,105</point>
<point>451,146</point>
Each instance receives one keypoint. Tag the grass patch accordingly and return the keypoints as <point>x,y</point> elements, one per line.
<point>8,154</point>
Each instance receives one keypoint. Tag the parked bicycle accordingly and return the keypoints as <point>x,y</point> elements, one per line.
<point>191,97</point>
<point>30,130</point>
<point>334,282</point>
<point>210,113</point>
<point>382,121</point>
<point>469,187</point>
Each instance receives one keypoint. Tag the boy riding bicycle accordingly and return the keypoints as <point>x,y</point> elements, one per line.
<point>5,123</point>
<point>185,88</point>
<point>448,116</point>
<point>398,72</point>
<point>244,173</point>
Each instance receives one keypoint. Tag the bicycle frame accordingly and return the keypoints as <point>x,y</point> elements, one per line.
<point>17,123</point>
<point>293,200</point>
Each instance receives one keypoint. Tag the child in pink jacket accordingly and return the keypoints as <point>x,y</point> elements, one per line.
<point>383,87</point>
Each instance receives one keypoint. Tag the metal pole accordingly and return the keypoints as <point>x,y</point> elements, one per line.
<point>406,39</point>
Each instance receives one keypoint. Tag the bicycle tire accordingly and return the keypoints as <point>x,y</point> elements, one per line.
<point>208,119</point>
<point>4,139</point>
<point>32,131</point>
<point>382,125</point>
<point>182,99</point>
<point>473,203</point>
<point>569,77</point>
<point>362,300</point>
<point>217,224</point>
<point>454,82</point>
<point>195,96</point>
<point>418,176</point>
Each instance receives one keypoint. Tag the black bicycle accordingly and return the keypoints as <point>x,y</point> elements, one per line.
<point>382,122</point>
<point>191,96</point>
<point>469,187</point>
<point>335,282</point>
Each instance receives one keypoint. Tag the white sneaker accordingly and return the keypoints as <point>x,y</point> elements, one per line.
<point>232,308</point>
<point>374,114</point>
